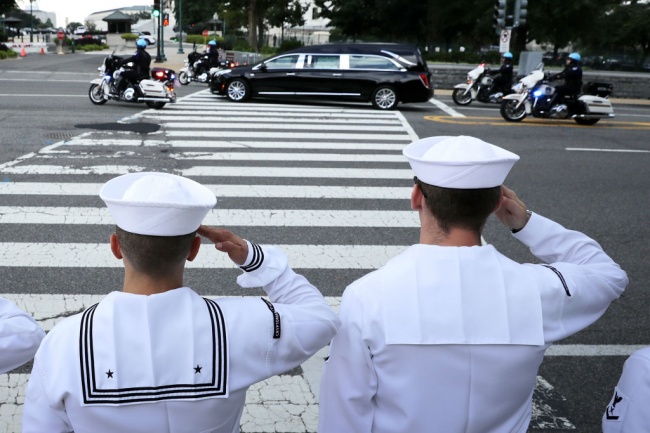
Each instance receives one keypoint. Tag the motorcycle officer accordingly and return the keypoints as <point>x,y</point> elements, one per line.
<point>213,54</point>
<point>141,62</point>
<point>503,80</point>
<point>572,75</point>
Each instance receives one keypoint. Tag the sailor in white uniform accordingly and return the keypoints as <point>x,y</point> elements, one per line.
<point>20,336</point>
<point>629,408</point>
<point>448,336</point>
<point>156,356</point>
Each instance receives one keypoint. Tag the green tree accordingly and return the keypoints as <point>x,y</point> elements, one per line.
<point>7,5</point>
<point>628,26</point>
<point>283,12</point>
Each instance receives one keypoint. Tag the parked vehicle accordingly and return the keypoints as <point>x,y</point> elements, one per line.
<point>534,96</point>
<point>478,87</point>
<point>383,74</point>
<point>147,37</point>
<point>80,30</point>
<point>155,92</point>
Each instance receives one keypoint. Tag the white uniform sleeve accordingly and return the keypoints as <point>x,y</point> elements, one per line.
<point>583,280</point>
<point>303,321</point>
<point>629,409</point>
<point>20,336</point>
<point>39,414</point>
<point>349,381</point>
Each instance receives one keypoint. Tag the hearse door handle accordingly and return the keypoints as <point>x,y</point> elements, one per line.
<point>291,73</point>
<point>337,75</point>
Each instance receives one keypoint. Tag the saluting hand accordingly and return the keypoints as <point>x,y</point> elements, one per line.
<point>512,213</point>
<point>226,242</point>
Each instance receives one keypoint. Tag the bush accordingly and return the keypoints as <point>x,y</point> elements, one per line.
<point>289,44</point>
<point>129,37</point>
<point>7,53</point>
<point>92,47</point>
<point>241,44</point>
<point>197,39</point>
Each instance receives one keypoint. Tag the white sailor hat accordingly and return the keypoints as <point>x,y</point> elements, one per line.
<point>157,204</point>
<point>459,162</point>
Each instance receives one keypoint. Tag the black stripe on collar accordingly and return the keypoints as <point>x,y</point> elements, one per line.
<point>215,386</point>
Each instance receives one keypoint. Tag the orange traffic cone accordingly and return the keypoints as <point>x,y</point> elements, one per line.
<point>42,51</point>
<point>23,53</point>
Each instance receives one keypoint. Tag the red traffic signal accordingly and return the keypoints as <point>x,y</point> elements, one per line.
<point>165,19</point>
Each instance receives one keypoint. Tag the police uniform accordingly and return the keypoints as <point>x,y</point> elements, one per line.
<point>173,361</point>
<point>629,408</point>
<point>449,339</point>
<point>20,336</point>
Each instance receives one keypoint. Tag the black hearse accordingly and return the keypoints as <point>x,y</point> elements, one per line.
<point>381,73</point>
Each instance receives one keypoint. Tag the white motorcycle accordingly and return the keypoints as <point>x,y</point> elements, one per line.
<point>535,97</point>
<point>155,92</point>
<point>478,86</point>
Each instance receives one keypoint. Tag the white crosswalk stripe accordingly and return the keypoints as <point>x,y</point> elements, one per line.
<point>306,154</point>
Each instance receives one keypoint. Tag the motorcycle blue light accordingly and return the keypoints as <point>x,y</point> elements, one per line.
<point>537,93</point>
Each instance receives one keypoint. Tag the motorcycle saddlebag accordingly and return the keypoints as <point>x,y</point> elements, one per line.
<point>597,105</point>
<point>153,88</point>
<point>598,89</point>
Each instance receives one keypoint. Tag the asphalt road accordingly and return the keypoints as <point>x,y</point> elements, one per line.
<point>593,179</point>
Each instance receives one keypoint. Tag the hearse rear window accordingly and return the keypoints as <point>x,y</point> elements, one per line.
<point>371,62</point>
<point>322,61</point>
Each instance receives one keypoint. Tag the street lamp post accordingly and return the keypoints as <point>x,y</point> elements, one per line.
<point>31,22</point>
<point>180,27</point>
<point>215,17</point>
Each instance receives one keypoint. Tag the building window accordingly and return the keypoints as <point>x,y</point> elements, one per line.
<point>315,13</point>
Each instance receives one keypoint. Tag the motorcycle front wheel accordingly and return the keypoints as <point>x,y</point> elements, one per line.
<point>183,78</point>
<point>512,112</point>
<point>462,96</point>
<point>96,95</point>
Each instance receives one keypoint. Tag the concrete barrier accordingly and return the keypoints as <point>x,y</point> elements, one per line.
<point>30,47</point>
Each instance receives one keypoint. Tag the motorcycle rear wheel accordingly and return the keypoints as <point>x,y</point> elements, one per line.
<point>586,122</point>
<point>511,112</point>
<point>460,97</point>
<point>96,95</point>
<point>183,78</point>
<point>156,105</point>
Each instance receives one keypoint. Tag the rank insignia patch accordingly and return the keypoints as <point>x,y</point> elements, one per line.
<point>616,407</point>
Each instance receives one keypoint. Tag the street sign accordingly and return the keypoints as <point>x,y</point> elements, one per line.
<point>205,33</point>
<point>60,35</point>
<point>504,41</point>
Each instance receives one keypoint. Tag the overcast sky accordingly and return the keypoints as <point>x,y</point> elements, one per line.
<point>77,10</point>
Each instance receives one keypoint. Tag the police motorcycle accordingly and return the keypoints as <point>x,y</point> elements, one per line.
<point>478,86</point>
<point>534,96</point>
<point>196,69</point>
<point>155,92</point>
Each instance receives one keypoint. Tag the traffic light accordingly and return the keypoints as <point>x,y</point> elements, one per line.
<point>165,19</point>
<point>521,12</point>
<point>156,8</point>
<point>499,21</point>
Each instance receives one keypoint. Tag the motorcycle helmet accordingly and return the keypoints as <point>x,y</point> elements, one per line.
<point>212,43</point>
<point>575,57</point>
<point>141,43</point>
<point>507,55</point>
